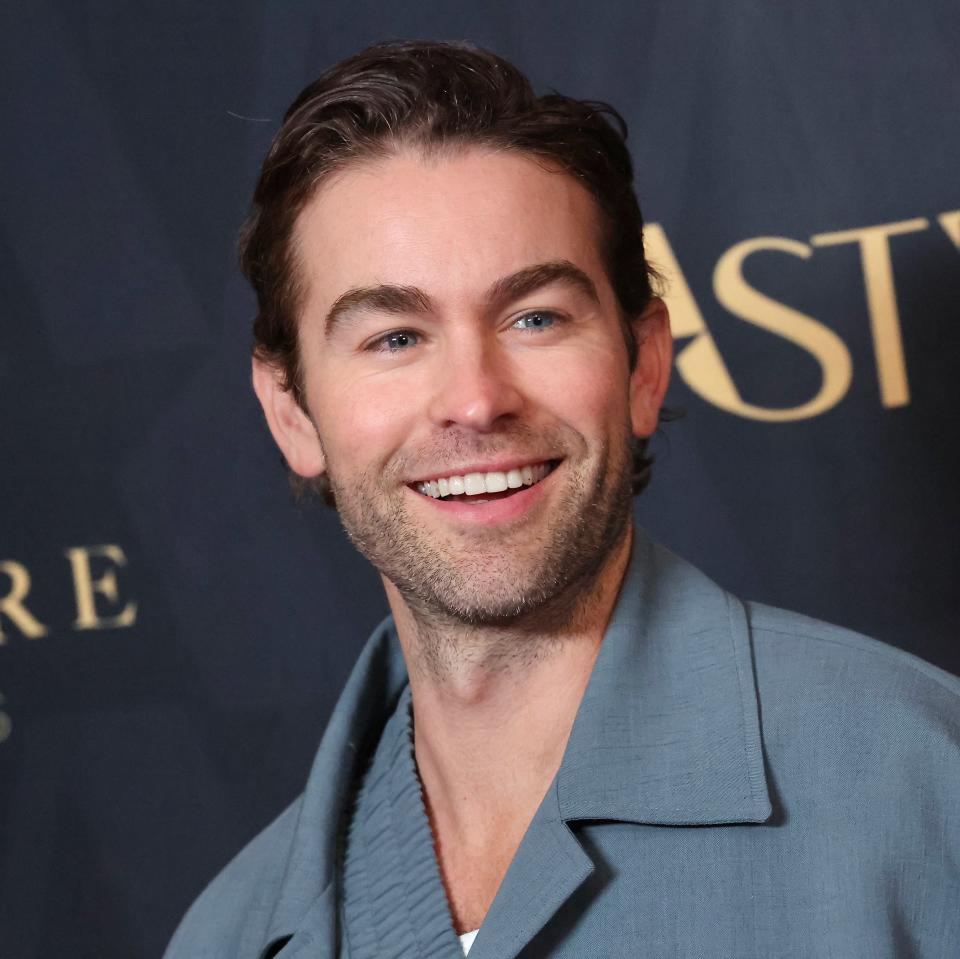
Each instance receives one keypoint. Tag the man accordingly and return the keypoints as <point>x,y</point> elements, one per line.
<point>564,737</point>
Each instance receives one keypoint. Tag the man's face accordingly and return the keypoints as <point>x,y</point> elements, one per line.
<point>459,335</point>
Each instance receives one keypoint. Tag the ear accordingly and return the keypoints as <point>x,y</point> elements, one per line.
<point>292,429</point>
<point>651,373</point>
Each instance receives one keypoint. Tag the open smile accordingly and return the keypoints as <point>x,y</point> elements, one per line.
<point>478,487</point>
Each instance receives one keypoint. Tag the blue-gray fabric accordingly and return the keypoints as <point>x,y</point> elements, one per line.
<point>394,904</point>
<point>739,781</point>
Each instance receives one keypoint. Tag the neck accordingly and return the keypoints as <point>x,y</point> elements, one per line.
<point>492,724</point>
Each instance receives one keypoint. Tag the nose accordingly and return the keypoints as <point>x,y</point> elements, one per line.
<point>475,387</point>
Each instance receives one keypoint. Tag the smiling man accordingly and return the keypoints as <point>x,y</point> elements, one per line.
<point>564,737</point>
<point>467,390</point>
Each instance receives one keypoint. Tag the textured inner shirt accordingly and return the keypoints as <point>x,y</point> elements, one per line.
<point>394,903</point>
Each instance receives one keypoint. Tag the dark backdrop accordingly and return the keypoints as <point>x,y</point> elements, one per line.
<point>175,629</point>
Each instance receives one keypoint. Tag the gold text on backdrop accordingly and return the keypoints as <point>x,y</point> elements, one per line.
<point>700,362</point>
<point>92,592</point>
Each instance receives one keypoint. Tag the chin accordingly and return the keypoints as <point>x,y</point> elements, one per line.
<point>468,594</point>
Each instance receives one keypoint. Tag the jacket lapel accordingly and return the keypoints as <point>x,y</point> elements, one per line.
<point>306,907</point>
<point>548,868</point>
<point>317,935</point>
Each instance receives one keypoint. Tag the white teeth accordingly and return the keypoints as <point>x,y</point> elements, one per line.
<point>496,482</point>
<point>473,484</point>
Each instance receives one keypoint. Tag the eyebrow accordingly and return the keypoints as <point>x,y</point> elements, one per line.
<point>406,300</point>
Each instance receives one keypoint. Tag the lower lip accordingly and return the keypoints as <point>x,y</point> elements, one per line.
<point>493,511</point>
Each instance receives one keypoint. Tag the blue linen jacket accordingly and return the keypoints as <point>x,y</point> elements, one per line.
<point>739,781</point>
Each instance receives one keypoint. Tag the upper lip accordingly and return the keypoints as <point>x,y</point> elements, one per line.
<point>491,466</point>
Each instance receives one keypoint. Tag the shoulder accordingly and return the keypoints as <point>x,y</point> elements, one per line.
<point>814,650</point>
<point>835,702</point>
<point>230,919</point>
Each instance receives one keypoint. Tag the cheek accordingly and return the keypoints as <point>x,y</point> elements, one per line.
<point>363,423</point>
<point>586,388</point>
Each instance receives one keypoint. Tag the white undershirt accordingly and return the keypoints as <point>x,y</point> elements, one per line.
<point>466,940</point>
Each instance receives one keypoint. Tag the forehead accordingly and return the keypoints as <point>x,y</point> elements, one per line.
<point>450,224</point>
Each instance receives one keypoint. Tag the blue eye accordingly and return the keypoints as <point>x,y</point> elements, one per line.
<point>397,341</point>
<point>538,320</point>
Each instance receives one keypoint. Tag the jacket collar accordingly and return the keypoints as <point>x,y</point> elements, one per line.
<point>668,733</point>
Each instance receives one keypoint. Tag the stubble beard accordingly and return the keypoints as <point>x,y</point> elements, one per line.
<point>531,578</point>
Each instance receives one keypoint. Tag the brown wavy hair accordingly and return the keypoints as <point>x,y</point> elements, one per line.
<point>432,96</point>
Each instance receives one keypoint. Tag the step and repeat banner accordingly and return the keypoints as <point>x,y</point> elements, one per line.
<point>174,628</point>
